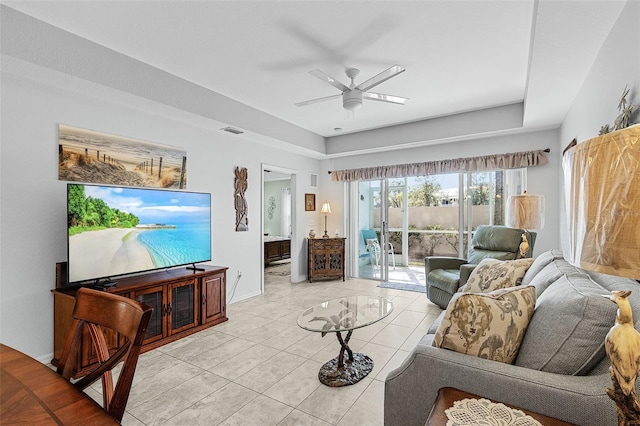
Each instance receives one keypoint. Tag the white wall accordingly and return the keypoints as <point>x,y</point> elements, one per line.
<point>33,201</point>
<point>616,66</point>
<point>542,180</point>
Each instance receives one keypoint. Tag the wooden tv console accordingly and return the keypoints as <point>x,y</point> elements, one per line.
<point>183,301</point>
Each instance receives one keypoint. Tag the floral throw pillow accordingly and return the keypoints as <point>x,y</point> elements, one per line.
<point>372,245</point>
<point>493,274</point>
<point>487,325</point>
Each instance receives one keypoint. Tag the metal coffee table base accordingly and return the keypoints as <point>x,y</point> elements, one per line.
<point>340,372</point>
<point>350,373</point>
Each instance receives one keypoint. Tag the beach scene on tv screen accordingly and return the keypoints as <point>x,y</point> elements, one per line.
<point>116,231</point>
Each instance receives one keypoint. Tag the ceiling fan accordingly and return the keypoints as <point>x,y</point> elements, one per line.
<point>352,96</point>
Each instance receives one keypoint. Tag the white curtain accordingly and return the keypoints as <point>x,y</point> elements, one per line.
<point>285,212</point>
<point>515,182</point>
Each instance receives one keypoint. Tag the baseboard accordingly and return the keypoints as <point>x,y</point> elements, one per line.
<point>46,359</point>
<point>240,299</point>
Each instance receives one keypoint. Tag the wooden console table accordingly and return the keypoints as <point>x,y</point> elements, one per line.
<point>184,301</point>
<point>447,397</point>
<point>326,258</point>
<point>32,393</point>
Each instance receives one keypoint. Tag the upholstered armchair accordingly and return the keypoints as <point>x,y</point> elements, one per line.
<point>445,275</point>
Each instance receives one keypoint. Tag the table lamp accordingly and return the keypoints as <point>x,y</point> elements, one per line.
<point>326,209</point>
<point>527,213</point>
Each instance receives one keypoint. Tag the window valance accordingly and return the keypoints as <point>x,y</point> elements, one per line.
<point>512,160</point>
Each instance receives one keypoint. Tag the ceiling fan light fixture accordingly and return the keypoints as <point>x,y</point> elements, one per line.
<point>352,99</point>
<point>352,95</point>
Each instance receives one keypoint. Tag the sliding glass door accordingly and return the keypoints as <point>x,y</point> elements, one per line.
<point>374,250</point>
<point>400,221</point>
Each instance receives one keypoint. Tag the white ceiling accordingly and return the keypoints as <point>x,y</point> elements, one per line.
<point>460,56</point>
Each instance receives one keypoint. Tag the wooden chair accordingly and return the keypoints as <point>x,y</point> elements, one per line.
<point>96,310</point>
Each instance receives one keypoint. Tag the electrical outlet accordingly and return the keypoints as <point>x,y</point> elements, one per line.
<point>239,273</point>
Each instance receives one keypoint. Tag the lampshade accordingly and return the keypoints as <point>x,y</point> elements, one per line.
<point>326,208</point>
<point>525,211</point>
<point>602,199</point>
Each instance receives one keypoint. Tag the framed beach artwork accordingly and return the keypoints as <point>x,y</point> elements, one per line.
<point>309,202</point>
<point>95,157</point>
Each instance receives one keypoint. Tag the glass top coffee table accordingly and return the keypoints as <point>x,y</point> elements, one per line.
<point>340,315</point>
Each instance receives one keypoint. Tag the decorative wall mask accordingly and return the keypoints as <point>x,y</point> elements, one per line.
<point>242,214</point>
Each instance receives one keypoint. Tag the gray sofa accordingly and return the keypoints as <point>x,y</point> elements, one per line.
<point>561,369</point>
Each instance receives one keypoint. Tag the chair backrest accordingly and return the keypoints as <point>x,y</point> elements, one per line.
<point>369,234</point>
<point>97,310</point>
<point>369,243</point>
<point>497,242</point>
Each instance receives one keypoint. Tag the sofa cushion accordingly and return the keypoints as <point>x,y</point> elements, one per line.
<point>445,279</point>
<point>487,325</point>
<point>566,334</point>
<point>539,263</point>
<point>493,274</point>
<point>612,283</point>
<point>551,273</point>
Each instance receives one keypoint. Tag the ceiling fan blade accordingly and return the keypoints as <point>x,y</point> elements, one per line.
<point>385,98</point>
<point>313,101</point>
<point>380,78</point>
<point>332,81</point>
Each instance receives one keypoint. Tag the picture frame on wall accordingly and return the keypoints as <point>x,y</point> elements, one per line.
<point>309,202</point>
<point>95,157</point>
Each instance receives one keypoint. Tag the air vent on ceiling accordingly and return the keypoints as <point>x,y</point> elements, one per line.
<point>314,180</point>
<point>232,130</point>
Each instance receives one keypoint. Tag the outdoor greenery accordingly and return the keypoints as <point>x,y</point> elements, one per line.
<point>479,189</point>
<point>425,193</point>
<point>88,213</point>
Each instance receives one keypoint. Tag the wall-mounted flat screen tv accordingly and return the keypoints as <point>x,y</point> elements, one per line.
<point>114,231</point>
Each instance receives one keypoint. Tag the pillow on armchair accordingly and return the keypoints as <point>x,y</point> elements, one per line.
<point>373,245</point>
<point>494,274</point>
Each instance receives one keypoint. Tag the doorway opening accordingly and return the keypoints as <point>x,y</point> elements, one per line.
<point>278,224</point>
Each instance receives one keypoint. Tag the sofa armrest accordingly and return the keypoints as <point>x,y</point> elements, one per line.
<point>441,262</point>
<point>411,389</point>
<point>465,272</point>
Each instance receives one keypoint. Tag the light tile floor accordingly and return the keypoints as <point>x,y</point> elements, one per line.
<point>412,274</point>
<point>260,368</point>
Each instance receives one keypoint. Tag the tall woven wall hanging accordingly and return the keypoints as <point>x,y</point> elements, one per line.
<point>240,184</point>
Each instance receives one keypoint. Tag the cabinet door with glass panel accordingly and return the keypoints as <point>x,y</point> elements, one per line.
<point>182,306</point>
<point>156,298</point>
<point>175,308</point>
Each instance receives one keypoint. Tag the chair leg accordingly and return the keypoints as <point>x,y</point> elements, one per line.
<point>393,258</point>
